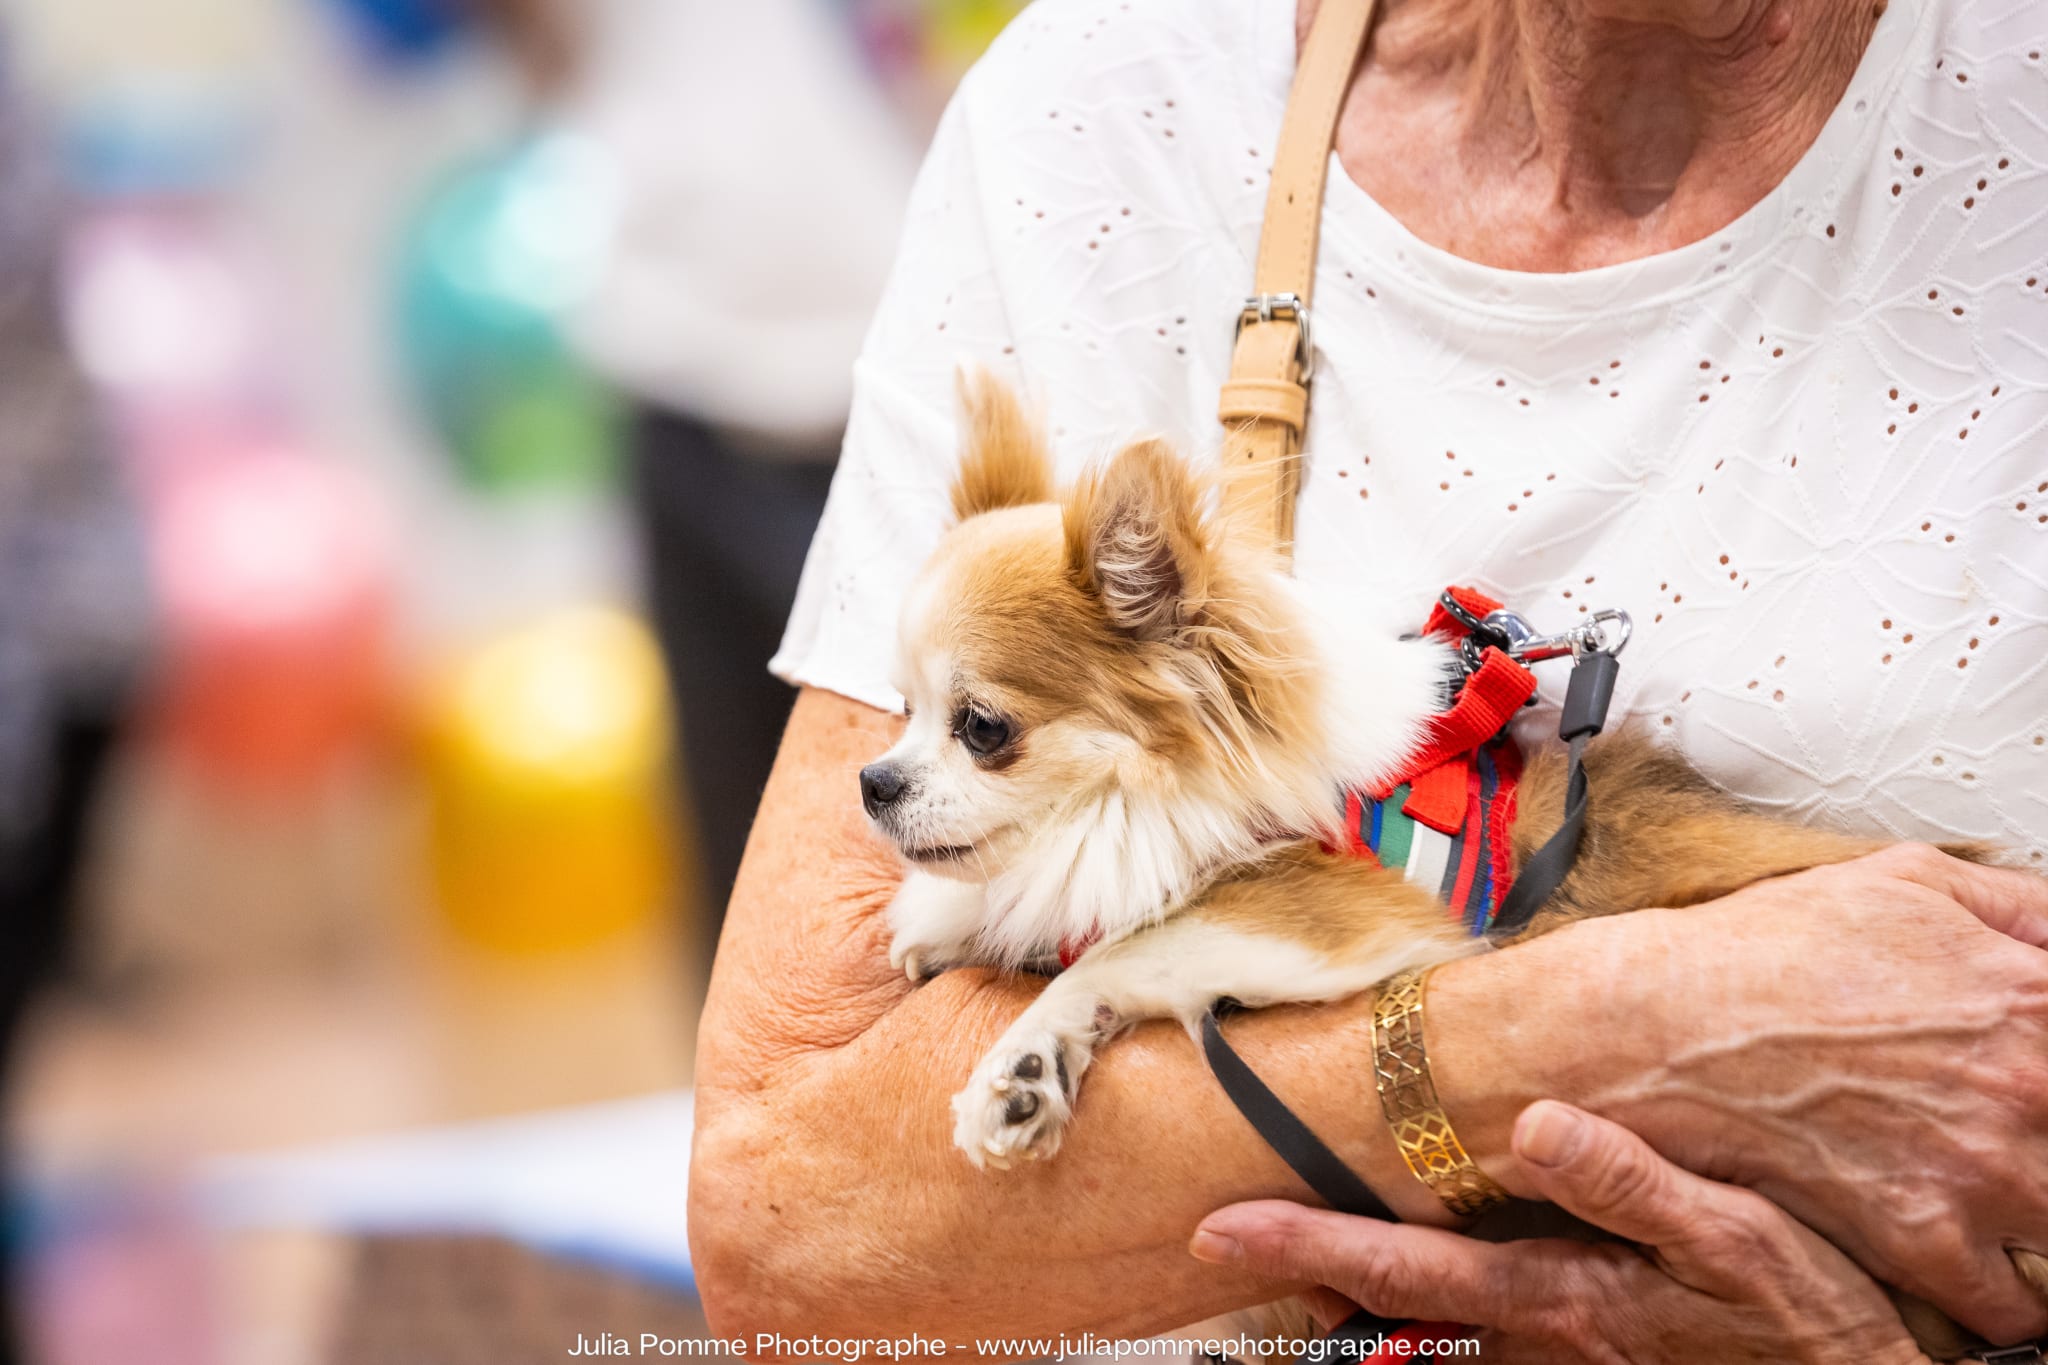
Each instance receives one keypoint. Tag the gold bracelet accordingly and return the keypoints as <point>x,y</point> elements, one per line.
<point>1408,1099</point>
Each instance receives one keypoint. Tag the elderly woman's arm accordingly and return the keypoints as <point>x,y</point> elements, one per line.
<point>1854,1042</point>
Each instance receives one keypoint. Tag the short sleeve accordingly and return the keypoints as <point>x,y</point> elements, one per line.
<point>1082,227</point>
<point>888,505</point>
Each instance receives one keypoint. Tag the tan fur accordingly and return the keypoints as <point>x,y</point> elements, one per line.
<point>1330,903</point>
<point>1005,462</point>
<point>1137,543</point>
<point>1657,833</point>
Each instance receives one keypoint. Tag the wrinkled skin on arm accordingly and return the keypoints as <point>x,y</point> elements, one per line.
<point>826,1193</point>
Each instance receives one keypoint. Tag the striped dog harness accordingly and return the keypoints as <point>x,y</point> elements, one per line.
<point>1444,821</point>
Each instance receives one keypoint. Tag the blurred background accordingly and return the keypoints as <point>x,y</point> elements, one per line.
<point>412,417</point>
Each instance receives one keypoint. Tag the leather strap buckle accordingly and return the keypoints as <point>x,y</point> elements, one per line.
<point>1289,308</point>
<point>2011,1355</point>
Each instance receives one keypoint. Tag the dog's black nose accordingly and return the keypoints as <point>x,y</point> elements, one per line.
<point>880,785</point>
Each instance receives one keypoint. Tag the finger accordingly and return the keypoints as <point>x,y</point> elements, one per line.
<point>1978,1285</point>
<point>1386,1268</point>
<point>2014,903</point>
<point>1714,1236</point>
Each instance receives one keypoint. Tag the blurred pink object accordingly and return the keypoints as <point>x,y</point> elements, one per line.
<point>128,1280</point>
<point>164,305</point>
<point>273,572</point>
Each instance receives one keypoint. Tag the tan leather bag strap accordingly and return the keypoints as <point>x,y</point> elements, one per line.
<point>1265,400</point>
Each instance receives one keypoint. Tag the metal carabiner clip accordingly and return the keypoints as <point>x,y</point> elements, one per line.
<point>1605,631</point>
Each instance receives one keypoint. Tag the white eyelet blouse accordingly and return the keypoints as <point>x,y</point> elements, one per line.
<point>1809,454</point>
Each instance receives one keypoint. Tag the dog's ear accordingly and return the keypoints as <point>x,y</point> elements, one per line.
<point>1005,462</point>
<point>1135,539</point>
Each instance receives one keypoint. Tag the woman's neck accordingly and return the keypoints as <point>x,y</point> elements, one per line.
<point>1558,135</point>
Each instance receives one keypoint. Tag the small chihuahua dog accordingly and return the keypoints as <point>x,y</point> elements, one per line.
<point>1127,735</point>
<point>1129,730</point>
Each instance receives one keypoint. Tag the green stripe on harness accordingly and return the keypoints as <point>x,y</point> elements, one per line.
<point>1397,831</point>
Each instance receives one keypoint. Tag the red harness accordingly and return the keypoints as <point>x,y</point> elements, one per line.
<point>1485,704</point>
<point>1459,785</point>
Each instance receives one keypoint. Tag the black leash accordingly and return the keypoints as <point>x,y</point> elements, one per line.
<point>1354,1340</point>
<point>1585,711</point>
<point>1296,1143</point>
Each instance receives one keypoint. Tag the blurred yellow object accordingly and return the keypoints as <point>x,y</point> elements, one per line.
<point>546,762</point>
<point>961,30</point>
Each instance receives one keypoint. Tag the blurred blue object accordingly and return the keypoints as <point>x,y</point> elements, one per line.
<point>497,258</point>
<point>603,1183</point>
<point>155,140</point>
<point>406,32</point>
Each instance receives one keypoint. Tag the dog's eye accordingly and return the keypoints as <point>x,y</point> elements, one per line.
<point>983,734</point>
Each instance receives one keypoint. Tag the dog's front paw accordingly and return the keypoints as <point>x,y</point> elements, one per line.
<point>1017,1104</point>
<point>932,924</point>
<point>921,960</point>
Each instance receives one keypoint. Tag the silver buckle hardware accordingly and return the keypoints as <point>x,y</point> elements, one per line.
<point>1267,307</point>
<point>1605,631</point>
<point>1524,645</point>
<point>2012,1355</point>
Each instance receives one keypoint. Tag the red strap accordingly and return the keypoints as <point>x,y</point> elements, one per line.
<point>1404,1343</point>
<point>1072,948</point>
<point>1440,771</point>
<point>1487,703</point>
<point>1442,622</point>
<point>1507,768</point>
<point>1437,798</point>
<point>1468,856</point>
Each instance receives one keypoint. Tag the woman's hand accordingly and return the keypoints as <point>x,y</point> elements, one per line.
<point>1722,1274</point>
<point>1866,1045</point>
